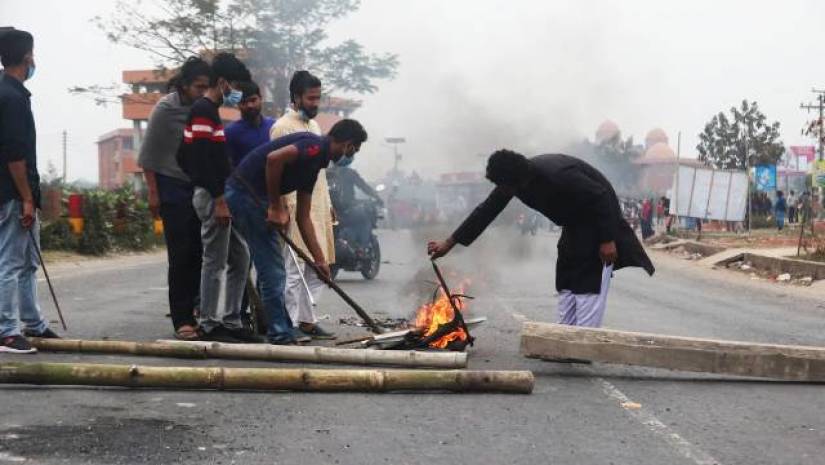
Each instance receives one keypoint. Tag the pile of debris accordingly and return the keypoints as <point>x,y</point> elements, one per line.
<point>746,266</point>
<point>682,252</point>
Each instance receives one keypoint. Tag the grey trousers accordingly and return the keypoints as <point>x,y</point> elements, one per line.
<point>224,253</point>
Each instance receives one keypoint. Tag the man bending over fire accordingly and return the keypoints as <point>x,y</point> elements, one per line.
<point>595,239</point>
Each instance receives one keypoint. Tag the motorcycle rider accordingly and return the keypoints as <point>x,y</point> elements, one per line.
<point>354,217</point>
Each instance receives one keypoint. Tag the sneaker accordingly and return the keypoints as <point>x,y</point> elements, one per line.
<point>245,335</point>
<point>220,334</point>
<point>282,342</point>
<point>16,345</point>
<point>316,332</point>
<point>47,334</point>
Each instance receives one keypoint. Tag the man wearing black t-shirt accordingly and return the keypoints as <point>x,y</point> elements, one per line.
<point>204,158</point>
<point>287,164</point>
<point>19,199</point>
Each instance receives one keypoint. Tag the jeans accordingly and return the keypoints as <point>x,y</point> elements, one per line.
<point>18,273</point>
<point>224,250</point>
<point>266,248</point>
<point>182,231</point>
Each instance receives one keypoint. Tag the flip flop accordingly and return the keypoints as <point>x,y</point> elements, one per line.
<point>187,333</point>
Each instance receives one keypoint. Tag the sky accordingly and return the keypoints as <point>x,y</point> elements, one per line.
<point>479,75</point>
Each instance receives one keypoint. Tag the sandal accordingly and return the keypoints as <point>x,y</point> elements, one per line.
<point>188,333</point>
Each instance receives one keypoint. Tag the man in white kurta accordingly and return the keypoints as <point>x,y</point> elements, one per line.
<point>298,302</point>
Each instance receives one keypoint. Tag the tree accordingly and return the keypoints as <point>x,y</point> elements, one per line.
<point>274,37</point>
<point>740,140</point>
<point>614,158</point>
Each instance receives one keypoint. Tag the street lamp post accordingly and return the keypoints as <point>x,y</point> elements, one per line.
<point>395,141</point>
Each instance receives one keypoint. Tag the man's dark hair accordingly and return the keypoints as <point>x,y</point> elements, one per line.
<point>14,45</point>
<point>193,68</point>
<point>348,130</point>
<point>301,82</point>
<point>229,67</point>
<point>249,88</point>
<point>507,168</point>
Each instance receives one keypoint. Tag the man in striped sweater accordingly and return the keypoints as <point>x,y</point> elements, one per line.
<point>204,158</point>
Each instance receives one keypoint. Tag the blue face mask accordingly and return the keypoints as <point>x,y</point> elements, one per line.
<point>344,161</point>
<point>30,72</point>
<point>232,98</point>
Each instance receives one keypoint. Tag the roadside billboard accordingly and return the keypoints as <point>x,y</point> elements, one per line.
<point>710,194</point>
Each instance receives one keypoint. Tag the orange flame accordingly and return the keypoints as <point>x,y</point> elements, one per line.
<point>431,316</point>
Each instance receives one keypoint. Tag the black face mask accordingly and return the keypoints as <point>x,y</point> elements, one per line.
<point>250,115</point>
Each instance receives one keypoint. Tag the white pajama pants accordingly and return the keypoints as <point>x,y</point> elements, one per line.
<point>585,309</point>
<point>298,304</point>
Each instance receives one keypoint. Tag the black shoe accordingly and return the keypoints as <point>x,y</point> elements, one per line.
<point>247,336</point>
<point>221,334</point>
<point>16,345</point>
<point>283,342</point>
<point>316,332</point>
<point>47,334</point>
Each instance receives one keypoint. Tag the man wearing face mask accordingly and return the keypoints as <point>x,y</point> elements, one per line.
<point>305,94</point>
<point>204,158</point>
<point>19,198</point>
<point>252,129</point>
<point>254,194</point>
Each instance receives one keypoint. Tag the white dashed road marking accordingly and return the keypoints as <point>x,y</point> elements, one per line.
<point>647,419</point>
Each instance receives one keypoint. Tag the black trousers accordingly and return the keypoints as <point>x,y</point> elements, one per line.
<point>182,231</point>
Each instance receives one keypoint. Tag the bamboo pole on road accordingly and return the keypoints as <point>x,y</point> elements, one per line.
<point>264,352</point>
<point>266,379</point>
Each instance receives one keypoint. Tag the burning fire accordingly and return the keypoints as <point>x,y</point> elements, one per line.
<point>431,316</point>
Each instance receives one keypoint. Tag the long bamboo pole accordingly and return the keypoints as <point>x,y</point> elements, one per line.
<point>266,352</point>
<point>266,379</point>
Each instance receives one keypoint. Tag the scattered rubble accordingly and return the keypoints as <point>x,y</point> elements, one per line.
<point>389,323</point>
<point>682,252</point>
<point>759,274</point>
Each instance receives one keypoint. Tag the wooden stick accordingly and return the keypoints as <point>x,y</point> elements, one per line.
<point>266,352</point>
<point>787,362</point>
<point>266,379</point>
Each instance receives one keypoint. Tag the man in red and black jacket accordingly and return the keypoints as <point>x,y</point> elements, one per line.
<point>203,156</point>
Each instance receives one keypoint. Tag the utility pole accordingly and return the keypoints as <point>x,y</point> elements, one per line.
<point>678,169</point>
<point>64,157</point>
<point>819,106</point>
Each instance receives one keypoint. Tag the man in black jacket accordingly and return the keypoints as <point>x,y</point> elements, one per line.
<point>595,239</point>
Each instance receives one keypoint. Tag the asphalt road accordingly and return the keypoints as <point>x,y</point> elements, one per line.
<point>574,416</point>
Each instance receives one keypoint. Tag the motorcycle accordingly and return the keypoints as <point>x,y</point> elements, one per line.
<point>351,256</point>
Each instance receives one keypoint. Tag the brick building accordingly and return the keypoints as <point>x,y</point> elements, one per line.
<point>117,160</point>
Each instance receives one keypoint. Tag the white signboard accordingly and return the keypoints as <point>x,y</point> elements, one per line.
<point>709,194</point>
